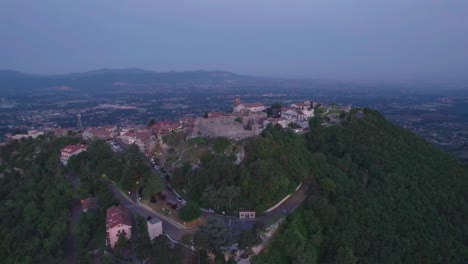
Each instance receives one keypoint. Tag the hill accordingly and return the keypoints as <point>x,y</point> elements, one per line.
<point>111,79</point>
<point>382,195</point>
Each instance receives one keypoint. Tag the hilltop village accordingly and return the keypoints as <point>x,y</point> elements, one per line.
<point>245,120</point>
<point>164,207</point>
<point>208,190</point>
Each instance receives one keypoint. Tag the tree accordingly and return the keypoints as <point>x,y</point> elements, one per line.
<point>205,115</point>
<point>345,255</point>
<point>214,197</point>
<point>122,242</point>
<point>276,105</point>
<point>151,122</point>
<point>315,122</point>
<point>342,115</point>
<point>190,212</point>
<point>231,192</point>
<point>248,238</point>
<point>213,235</point>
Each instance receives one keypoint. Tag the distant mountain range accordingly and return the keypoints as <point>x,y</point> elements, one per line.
<point>12,74</point>
<point>104,79</point>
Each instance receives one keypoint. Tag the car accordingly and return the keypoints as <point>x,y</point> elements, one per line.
<point>182,201</point>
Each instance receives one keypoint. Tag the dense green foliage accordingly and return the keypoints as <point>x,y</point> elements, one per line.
<point>383,195</point>
<point>274,164</point>
<point>35,201</point>
<point>190,212</point>
<point>126,169</point>
<point>213,235</point>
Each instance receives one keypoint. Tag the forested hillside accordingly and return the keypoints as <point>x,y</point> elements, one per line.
<point>274,164</point>
<point>381,195</point>
<point>35,201</point>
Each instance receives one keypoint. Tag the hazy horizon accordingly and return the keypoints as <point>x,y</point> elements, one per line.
<point>362,40</point>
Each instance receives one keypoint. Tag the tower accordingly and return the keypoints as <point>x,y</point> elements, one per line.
<point>79,123</point>
<point>237,101</point>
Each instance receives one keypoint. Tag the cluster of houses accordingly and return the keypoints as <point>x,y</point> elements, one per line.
<point>30,133</point>
<point>145,137</point>
<point>118,221</point>
<point>254,116</point>
<point>257,114</point>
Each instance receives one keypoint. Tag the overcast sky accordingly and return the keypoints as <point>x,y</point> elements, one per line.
<point>337,39</point>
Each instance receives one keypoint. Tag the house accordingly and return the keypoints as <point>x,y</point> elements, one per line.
<point>99,133</point>
<point>69,151</point>
<point>283,122</point>
<point>246,214</point>
<point>117,222</point>
<point>295,116</point>
<point>128,137</point>
<point>165,127</point>
<point>239,107</point>
<point>145,141</point>
<point>31,133</point>
<point>62,132</point>
<point>154,228</point>
<point>88,204</point>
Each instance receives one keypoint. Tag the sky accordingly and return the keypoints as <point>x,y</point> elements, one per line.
<point>333,39</point>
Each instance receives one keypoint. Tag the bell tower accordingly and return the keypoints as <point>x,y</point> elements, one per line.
<point>237,101</point>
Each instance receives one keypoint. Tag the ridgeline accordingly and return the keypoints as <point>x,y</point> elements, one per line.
<point>381,195</point>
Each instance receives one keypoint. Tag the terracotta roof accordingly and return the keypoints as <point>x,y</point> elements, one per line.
<point>73,148</point>
<point>129,134</point>
<point>88,203</point>
<point>100,133</point>
<point>117,215</point>
<point>249,105</point>
<point>144,135</point>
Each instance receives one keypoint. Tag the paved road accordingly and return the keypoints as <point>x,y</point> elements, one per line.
<point>169,228</point>
<point>175,231</point>
<point>286,208</point>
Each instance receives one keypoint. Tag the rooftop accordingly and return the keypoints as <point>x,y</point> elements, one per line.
<point>73,148</point>
<point>117,215</point>
<point>154,221</point>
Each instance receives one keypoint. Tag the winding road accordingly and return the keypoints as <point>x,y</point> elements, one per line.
<point>176,230</point>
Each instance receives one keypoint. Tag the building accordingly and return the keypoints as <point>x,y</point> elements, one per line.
<point>274,112</point>
<point>62,132</point>
<point>117,222</point>
<point>88,204</point>
<point>31,133</point>
<point>246,214</point>
<point>239,107</point>
<point>69,151</point>
<point>99,133</point>
<point>154,228</point>
<point>282,121</point>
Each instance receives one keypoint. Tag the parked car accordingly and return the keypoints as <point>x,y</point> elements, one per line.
<point>182,201</point>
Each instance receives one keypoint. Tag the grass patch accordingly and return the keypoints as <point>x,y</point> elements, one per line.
<point>152,184</point>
